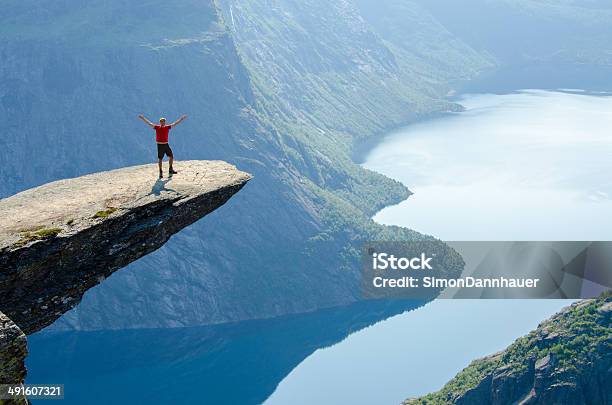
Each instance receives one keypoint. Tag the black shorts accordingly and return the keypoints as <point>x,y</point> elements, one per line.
<point>163,149</point>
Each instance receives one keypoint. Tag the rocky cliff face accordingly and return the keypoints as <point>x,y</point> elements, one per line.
<point>13,351</point>
<point>566,360</point>
<point>60,239</point>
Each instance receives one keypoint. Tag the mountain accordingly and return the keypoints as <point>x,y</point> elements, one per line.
<point>566,360</point>
<point>535,43</point>
<point>285,90</point>
<point>530,31</point>
<point>76,74</point>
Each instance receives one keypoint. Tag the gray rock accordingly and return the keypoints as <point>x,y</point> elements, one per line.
<point>60,239</point>
<point>13,351</point>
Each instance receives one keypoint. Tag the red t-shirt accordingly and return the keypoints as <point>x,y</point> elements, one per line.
<point>161,133</point>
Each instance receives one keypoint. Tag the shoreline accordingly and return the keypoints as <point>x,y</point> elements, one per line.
<point>363,146</point>
<point>502,80</point>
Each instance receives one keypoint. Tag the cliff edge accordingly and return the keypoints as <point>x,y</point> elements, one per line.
<point>60,239</point>
<point>566,360</point>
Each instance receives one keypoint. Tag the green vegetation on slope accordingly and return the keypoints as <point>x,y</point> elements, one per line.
<point>325,78</point>
<point>573,341</point>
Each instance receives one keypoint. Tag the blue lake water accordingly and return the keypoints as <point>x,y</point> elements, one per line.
<point>531,165</point>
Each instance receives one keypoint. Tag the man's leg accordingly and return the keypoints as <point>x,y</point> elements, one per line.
<point>160,158</point>
<point>171,159</point>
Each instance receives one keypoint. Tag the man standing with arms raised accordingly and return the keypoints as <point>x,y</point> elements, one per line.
<point>161,138</point>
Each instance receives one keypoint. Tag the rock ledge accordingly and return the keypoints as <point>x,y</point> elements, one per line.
<point>62,238</point>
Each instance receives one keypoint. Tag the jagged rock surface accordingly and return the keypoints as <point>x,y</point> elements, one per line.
<point>13,351</point>
<point>62,238</point>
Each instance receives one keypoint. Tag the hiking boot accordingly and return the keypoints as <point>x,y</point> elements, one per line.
<point>161,175</point>
<point>172,171</point>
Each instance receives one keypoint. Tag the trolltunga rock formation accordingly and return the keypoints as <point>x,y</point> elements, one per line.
<point>62,238</point>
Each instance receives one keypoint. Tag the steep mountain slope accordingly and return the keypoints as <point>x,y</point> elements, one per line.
<point>566,360</point>
<point>281,88</point>
<point>529,43</point>
<point>322,64</point>
<point>75,74</point>
<point>527,31</point>
<point>426,48</point>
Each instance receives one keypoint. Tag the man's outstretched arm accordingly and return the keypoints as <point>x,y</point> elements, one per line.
<point>183,118</point>
<point>146,121</point>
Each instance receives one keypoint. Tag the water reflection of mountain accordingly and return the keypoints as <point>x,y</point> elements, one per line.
<point>232,363</point>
